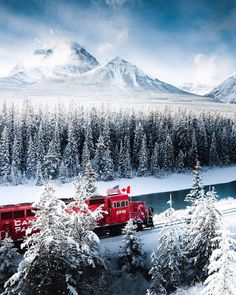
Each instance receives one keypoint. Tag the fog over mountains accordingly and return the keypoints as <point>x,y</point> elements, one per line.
<point>71,70</point>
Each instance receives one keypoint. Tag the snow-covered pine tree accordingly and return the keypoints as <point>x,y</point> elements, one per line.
<point>9,259</point>
<point>39,174</point>
<point>221,270</point>
<point>121,164</point>
<point>51,162</point>
<point>193,153</point>
<point>127,158</point>
<point>108,166</point>
<point>17,156</point>
<point>52,261</point>
<point>80,194</point>
<point>138,138</point>
<point>31,161</point>
<point>202,142</point>
<point>106,133</point>
<point>180,162</point>
<point>15,174</point>
<point>167,259</point>
<point>85,155</point>
<point>131,254</point>
<point>82,225</point>
<point>143,159</point>
<point>200,241</point>
<point>197,190</point>
<point>168,162</point>
<point>5,156</point>
<point>89,181</point>
<point>213,154</point>
<point>155,160</point>
<point>89,137</point>
<point>71,156</point>
<point>124,162</point>
<point>63,173</point>
<point>39,141</point>
<point>103,163</point>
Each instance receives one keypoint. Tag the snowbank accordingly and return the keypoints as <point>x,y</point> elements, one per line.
<point>139,185</point>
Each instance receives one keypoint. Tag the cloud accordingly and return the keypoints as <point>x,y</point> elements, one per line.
<point>123,35</point>
<point>116,2</point>
<point>104,47</point>
<point>205,68</point>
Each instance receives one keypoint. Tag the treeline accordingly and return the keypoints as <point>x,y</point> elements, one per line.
<point>40,142</point>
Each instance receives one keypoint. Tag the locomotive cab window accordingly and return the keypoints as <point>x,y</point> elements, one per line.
<point>19,214</point>
<point>29,212</point>
<point>123,204</point>
<point>126,203</point>
<point>118,204</point>
<point>6,215</point>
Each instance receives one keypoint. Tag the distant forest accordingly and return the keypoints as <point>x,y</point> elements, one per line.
<point>39,142</point>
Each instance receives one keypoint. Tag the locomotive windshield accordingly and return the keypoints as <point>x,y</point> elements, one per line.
<point>96,201</point>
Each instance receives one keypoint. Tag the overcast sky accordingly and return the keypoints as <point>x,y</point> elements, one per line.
<point>176,41</point>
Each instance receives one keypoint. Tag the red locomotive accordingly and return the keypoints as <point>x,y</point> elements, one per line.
<point>117,206</point>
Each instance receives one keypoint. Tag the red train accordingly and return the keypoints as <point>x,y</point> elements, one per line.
<point>118,209</point>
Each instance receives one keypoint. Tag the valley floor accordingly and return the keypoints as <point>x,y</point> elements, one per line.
<point>139,185</point>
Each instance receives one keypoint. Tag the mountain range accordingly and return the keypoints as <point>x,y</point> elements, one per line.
<point>72,69</point>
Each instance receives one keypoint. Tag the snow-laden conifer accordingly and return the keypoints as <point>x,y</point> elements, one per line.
<point>197,190</point>
<point>31,159</point>
<point>89,179</point>
<point>221,270</point>
<point>168,161</point>
<point>131,254</point>
<point>103,163</point>
<point>82,224</point>
<point>9,258</point>
<point>39,174</point>
<point>5,159</point>
<point>71,156</point>
<point>143,158</point>
<point>15,174</point>
<point>51,162</point>
<point>213,153</point>
<point>52,261</point>
<point>85,155</point>
<point>167,260</point>
<point>205,222</point>
<point>63,173</point>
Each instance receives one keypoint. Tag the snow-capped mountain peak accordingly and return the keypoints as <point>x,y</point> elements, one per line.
<point>25,75</point>
<point>226,91</point>
<point>121,73</point>
<point>83,55</point>
<point>70,62</point>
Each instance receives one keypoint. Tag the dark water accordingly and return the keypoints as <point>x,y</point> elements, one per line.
<point>159,200</point>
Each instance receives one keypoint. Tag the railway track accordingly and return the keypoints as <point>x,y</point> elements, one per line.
<point>181,221</point>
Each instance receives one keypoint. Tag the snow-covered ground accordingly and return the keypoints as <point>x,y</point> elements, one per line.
<point>150,236</point>
<point>139,185</point>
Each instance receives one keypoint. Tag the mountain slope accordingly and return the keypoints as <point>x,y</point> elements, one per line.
<point>69,70</point>
<point>76,61</point>
<point>80,61</point>
<point>225,92</point>
<point>120,73</point>
<point>196,88</point>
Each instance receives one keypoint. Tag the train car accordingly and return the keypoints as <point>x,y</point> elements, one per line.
<point>15,219</point>
<point>117,210</point>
